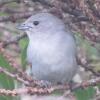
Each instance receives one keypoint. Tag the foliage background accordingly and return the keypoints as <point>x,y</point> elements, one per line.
<point>82,16</point>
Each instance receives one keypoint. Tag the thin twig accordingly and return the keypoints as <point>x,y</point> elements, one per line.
<point>2,70</point>
<point>16,16</point>
<point>3,2</point>
<point>14,40</point>
<point>41,91</point>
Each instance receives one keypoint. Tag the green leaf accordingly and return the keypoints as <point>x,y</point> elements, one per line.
<point>23,45</point>
<point>5,81</point>
<point>91,51</point>
<point>85,94</point>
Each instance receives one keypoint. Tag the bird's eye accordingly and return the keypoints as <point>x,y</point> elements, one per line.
<point>36,23</point>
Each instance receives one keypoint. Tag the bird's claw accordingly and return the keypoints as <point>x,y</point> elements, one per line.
<point>44,84</point>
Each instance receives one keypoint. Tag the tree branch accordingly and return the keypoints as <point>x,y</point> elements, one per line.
<point>41,91</point>
<point>15,17</point>
<point>14,40</point>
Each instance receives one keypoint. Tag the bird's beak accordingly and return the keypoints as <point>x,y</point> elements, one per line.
<point>23,27</point>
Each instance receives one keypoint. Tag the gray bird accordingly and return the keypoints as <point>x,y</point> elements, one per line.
<point>51,49</point>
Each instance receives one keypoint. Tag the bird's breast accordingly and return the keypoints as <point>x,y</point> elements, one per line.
<point>47,50</point>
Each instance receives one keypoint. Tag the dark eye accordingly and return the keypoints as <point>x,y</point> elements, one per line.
<point>36,23</point>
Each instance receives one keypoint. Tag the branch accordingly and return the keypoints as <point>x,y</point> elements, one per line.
<point>14,40</point>
<point>88,68</point>
<point>44,2</point>
<point>95,12</point>
<point>3,2</point>
<point>24,79</point>
<point>2,70</point>
<point>65,8</point>
<point>19,75</point>
<point>42,91</point>
<point>10,10</point>
<point>15,17</point>
<point>21,91</point>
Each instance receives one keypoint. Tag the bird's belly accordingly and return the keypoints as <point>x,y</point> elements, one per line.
<point>46,72</point>
<point>60,72</point>
<point>50,63</point>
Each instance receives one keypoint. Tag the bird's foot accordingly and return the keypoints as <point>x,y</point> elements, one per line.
<point>72,85</point>
<point>45,84</point>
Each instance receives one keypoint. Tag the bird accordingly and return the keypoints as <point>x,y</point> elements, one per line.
<point>52,48</point>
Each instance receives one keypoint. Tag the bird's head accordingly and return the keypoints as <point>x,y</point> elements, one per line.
<point>41,23</point>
